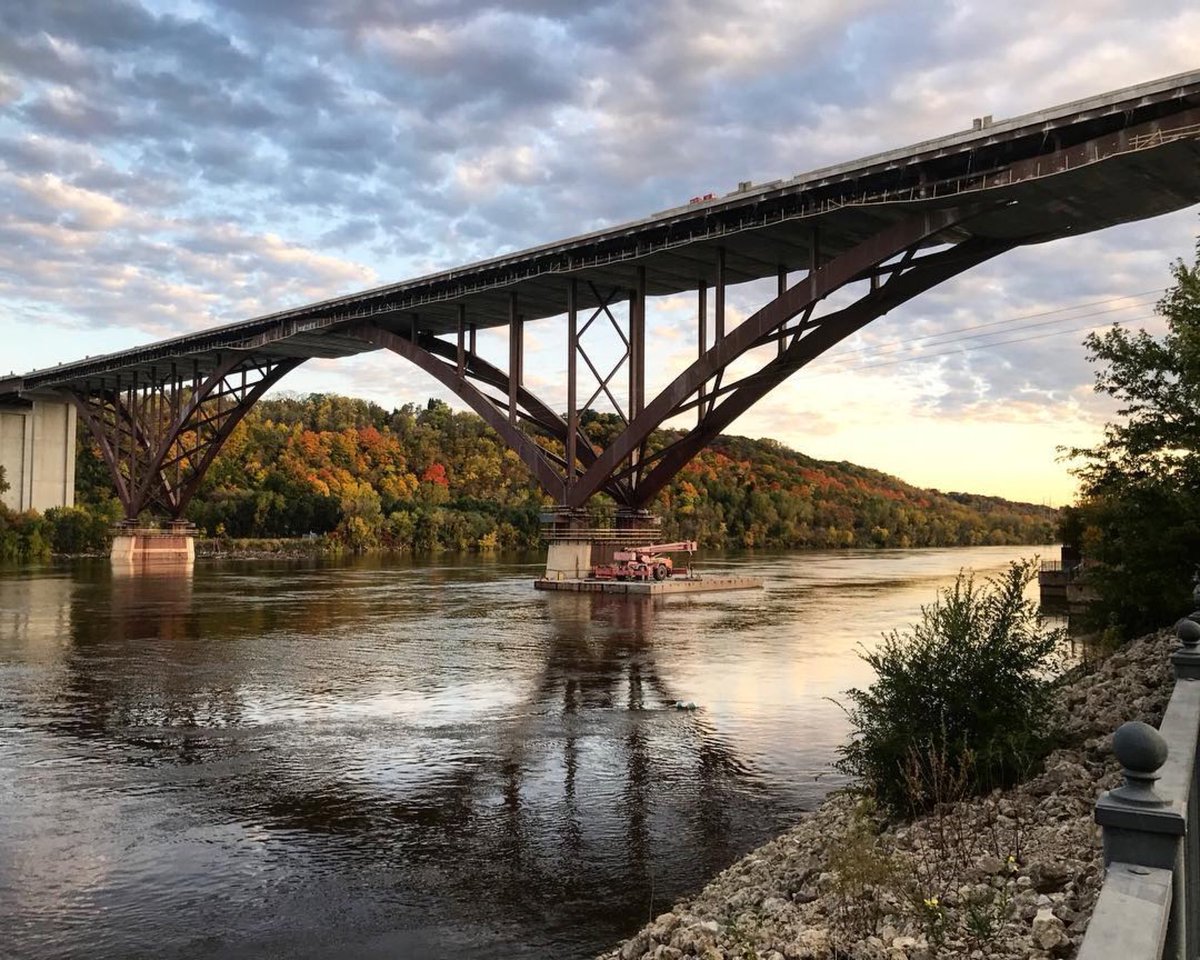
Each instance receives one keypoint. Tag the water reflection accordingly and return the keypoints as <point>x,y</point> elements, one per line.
<point>367,759</point>
<point>35,611</point>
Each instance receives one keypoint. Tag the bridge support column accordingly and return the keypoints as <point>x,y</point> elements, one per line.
<point>160,549</point>
<point>37,453</point>
<point>575,543</point>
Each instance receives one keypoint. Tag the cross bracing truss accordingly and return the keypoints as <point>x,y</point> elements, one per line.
<point>158,434</point>
<point>896,264</point>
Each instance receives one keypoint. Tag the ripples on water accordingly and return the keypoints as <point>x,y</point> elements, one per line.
<point>382,760</point>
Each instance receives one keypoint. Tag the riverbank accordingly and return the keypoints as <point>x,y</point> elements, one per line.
<point>265,548</point>
<point>1011,875</point>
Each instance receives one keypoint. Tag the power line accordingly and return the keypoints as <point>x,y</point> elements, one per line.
<point>970,335</point>
<point>994,333</point>
<point>971,332</point>
<point>985,346</point>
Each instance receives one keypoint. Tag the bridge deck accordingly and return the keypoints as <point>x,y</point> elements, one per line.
<point>1121,156</point>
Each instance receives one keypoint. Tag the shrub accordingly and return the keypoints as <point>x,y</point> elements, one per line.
<point>862,872</point>
<point>82,529</point>
<point>22,536</point>
<point>963,697</point>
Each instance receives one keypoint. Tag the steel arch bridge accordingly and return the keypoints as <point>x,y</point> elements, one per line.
<point>882,229</point>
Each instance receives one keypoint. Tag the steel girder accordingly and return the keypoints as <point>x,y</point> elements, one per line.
<point>699,386</point>
<point>456,368</point>
<point>158,438</point>
<point>888,261</point>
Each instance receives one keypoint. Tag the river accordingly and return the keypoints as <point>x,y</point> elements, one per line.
<point>371,758</point>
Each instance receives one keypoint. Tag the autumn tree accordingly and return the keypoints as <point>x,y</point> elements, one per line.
<point>428,477</point>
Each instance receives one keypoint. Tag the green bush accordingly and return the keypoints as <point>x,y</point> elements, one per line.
<point>962,700</point>
<point>32,536</point>
<point>22,536</point>
<point>82,529</point>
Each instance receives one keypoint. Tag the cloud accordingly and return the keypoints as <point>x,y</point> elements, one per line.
<point>77,207</point>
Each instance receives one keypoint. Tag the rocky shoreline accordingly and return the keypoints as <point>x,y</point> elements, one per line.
<point>1014,874</point>
<point>291,548</point>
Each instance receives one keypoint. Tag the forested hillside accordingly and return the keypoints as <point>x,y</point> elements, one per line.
<point>430,478</point>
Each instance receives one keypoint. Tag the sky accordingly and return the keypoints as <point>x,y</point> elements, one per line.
<point>167,167</point>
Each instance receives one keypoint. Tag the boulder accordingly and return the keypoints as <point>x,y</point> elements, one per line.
<point>636,946</point>
<point>1051,875</point>
<point>1049,933</point>
<point>811,944</point>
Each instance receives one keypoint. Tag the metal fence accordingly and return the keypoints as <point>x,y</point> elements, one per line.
<point>1149,905</point>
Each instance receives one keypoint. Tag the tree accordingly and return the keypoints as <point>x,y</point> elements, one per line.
<point>3,482</point>
<point>440,479</point>
<point>1139,521</point>
<point>93,482</point>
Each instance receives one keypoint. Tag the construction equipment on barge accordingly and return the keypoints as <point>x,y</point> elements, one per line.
<point>646,563</point>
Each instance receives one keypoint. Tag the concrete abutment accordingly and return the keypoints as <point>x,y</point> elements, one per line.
<point>154,548</point>
<point>37,452</point>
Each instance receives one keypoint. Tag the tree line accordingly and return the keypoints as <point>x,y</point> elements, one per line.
<point>423,479</point>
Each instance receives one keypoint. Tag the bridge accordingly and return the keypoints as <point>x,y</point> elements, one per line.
<point>880,230</point>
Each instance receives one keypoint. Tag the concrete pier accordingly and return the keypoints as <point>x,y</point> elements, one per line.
<point>568,559</point>
<point>37,452</point>
<point>152,547</point>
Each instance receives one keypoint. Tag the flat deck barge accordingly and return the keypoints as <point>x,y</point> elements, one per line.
<point>650,588</point>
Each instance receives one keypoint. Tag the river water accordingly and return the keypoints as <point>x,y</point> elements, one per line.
<point>378,759</point>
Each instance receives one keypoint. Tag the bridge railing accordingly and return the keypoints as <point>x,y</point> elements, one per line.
<point>1149,904</point>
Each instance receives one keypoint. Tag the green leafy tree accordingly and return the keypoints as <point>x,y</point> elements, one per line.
<point>83,529</point>
<point>1139,513</point>
<point>93,482</point>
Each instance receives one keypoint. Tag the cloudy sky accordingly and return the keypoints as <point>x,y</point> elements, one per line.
<point>165,167</point>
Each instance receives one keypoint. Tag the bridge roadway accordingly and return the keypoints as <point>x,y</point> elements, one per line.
<point>901,221</point>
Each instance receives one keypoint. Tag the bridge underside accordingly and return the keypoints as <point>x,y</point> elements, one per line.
<point>158,433</point>
<point>573,468</point>
<point>876,233</point>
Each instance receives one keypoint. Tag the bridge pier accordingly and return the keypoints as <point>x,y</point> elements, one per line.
<point>137,548</point>
<point>37,452</point>
<point>575,542</point>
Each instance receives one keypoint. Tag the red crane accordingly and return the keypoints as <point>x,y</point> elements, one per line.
<point>645,563</point>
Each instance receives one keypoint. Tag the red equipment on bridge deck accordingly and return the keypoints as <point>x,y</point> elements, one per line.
<point>645,563</point>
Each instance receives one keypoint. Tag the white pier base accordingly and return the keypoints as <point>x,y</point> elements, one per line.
<point>569,560</point>
<point>151,548</point>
